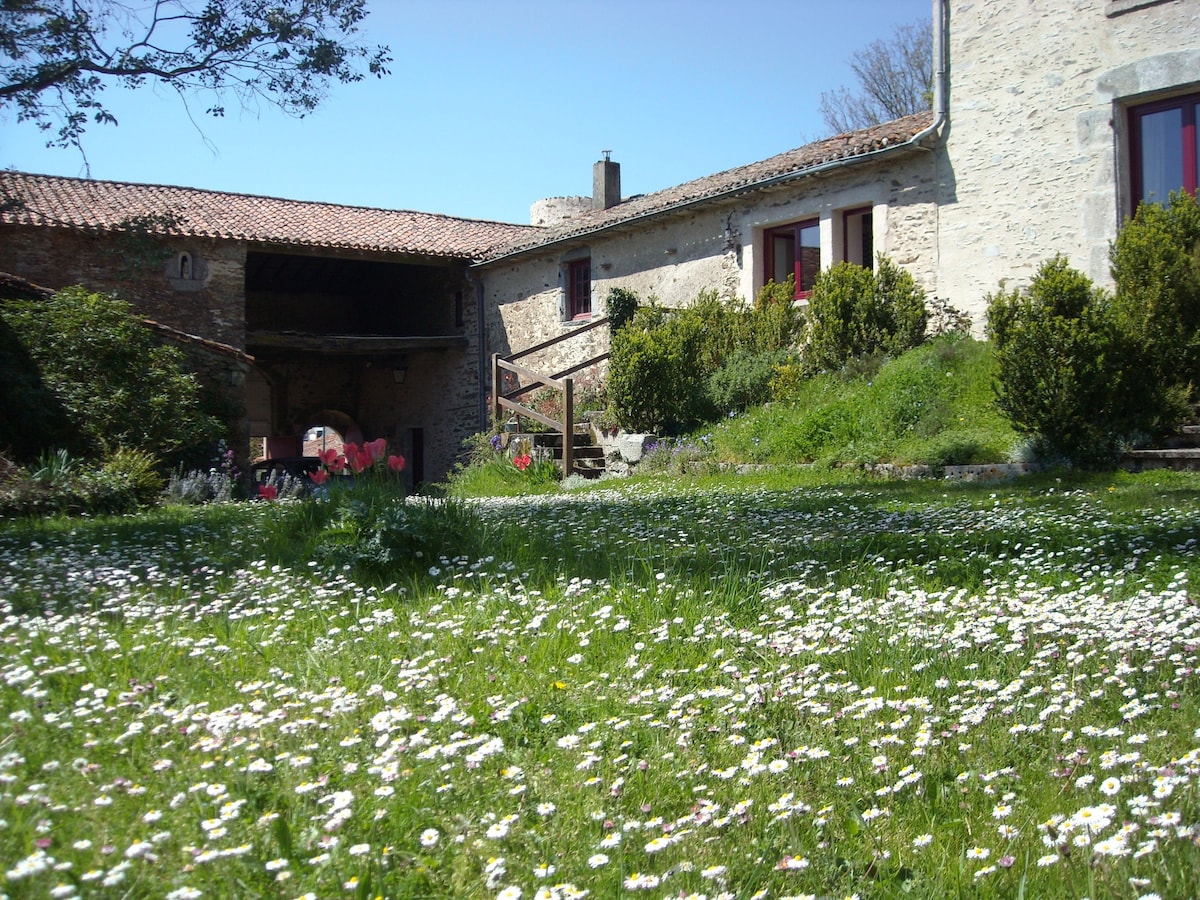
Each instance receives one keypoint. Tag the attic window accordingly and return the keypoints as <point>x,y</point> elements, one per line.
<point>184,272</point>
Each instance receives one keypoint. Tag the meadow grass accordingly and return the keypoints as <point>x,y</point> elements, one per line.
<point>789,684</point>
<point>933,405</point>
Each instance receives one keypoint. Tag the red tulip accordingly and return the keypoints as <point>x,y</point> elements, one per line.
<point>327,456</point>
<point>522,462</point>
<point>319,477</point>
<point>396,462</point>
<point>268,491</point>
<point>357,459</point>
<point>377,448</point>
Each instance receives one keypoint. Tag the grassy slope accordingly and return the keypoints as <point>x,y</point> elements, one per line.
<point>933,405</point>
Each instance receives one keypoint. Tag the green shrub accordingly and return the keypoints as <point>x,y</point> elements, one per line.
<point>105,380</point>
<point>854,312</point>
<point>668,367</point>
<point>658,369</point>
<point>621,305</point>
<point>1156,267</point>
<point>126,481</point>
<point>1066,372</point>
<point>745,379</point>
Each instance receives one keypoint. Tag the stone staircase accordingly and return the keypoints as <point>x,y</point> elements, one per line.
<point>589,455</point>
<point>1180,451</point>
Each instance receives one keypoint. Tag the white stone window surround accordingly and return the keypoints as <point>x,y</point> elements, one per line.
<point>1133,84</point>
<point>186,271</point>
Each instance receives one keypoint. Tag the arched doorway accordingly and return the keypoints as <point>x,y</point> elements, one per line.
<point>328,429</point>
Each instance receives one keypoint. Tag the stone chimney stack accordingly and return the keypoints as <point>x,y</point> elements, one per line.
<point>606,183</point>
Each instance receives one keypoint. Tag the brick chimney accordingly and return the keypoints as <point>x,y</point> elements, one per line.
<point>606,183</point>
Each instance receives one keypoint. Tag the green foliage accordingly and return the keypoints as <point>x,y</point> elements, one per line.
<point>1067,375</point>
<point>104,380</point>
<point>657,371</point>
<point>1156,266</point>
<point>932,405</point>
<point>745,379</point>
<point>56,57</point>
<point>622,303</point>
<point>854,312</point>
<point>126,481</point>
<point>668,366</point>
<point>382,541</point>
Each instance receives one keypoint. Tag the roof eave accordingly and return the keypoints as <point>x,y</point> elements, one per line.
<point>912,144</point>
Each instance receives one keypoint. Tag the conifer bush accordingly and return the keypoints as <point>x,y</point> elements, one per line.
<point>855,312</point>
<point>1156,267</point>
<point>1067,375</point>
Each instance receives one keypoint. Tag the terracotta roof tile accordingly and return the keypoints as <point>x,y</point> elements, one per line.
<point>83,203</point>
<point>743,178</point>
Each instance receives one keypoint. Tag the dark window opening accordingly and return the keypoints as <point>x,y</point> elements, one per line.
<point>858,238</point>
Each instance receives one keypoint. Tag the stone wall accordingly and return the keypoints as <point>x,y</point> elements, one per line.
<point>715,246</point>
<point>143,270</point>
<point>1035,160</point>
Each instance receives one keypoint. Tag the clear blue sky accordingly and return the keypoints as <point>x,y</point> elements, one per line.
<point>493,104</point>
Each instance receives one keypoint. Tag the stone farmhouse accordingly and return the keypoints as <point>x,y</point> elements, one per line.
<point>1051,121</point>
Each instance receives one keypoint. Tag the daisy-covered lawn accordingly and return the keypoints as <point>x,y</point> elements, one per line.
<point>730,689</point>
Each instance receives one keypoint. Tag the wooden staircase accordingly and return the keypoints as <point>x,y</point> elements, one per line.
<point>1180,451</point>
<point>590,462</point>
<point>586,460</point>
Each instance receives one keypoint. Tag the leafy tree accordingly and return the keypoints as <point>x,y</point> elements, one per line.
<point>100,369</point>
<point>56,56</point>
<point>895,79</point>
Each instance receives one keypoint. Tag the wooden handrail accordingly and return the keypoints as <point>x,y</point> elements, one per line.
<point>603,320</point>
<point>560,381</point>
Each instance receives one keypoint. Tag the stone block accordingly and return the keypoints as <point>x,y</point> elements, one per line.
<point>632,446</point>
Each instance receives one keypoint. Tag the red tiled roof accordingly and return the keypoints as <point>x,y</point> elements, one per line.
<point>842,147</point>
<point>107,205</point>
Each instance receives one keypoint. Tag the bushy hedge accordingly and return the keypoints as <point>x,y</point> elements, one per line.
<point>1082,372</point>
<point>672,370</point>
<point>83,374</point>
<point>854,312</point>
<point>1068,376</point>
<point>1156,267</point>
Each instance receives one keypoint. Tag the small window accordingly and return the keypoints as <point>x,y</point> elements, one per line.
<point>579,289</point>
<point>1164,146</point>
<point>185,267</point>
<point>858,237</point>
<point>793,250</point>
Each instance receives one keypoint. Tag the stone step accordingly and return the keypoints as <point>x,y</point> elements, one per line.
<point>1181,459</point>
<point>1187,437</point>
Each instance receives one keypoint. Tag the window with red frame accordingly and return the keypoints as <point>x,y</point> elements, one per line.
<point>794,249</point>
<point>1164,145</point>
<point>579,289</point>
